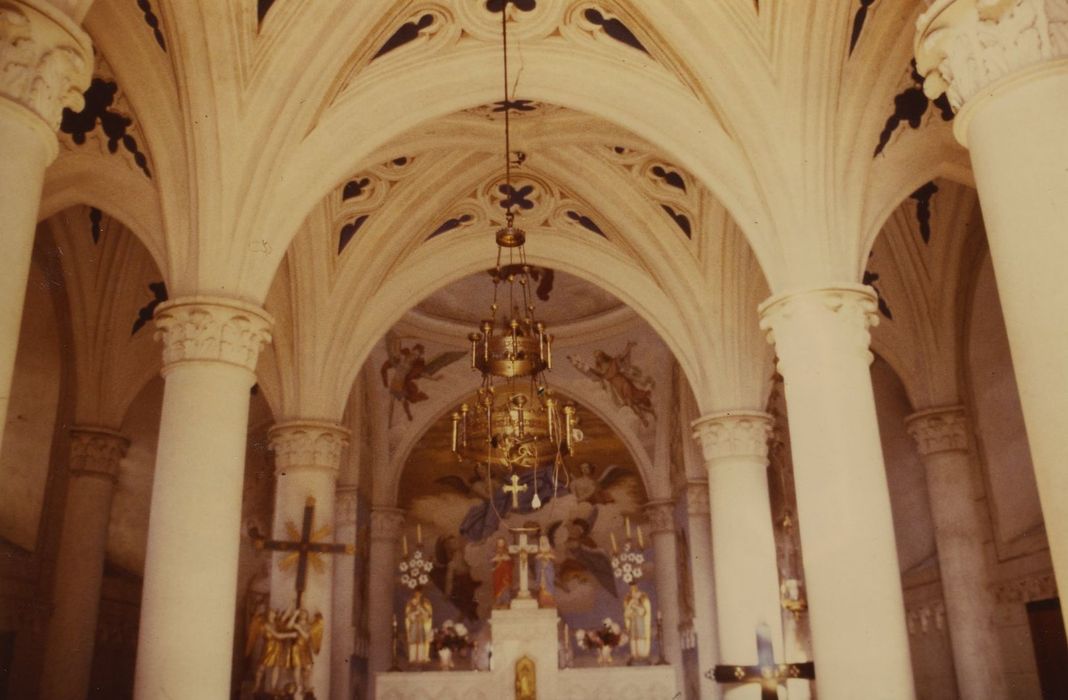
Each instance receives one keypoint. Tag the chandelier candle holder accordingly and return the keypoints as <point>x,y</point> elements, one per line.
<point>514,422</point>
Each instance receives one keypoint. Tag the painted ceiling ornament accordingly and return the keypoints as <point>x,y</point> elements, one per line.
<point>516,423</point>
<point>363,193</point>
<point>666,184</point>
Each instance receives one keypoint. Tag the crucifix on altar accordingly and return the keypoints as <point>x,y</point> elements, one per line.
<point>304,546</point>
<point>523,548</point>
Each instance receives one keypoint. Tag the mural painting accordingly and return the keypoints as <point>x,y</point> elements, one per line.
<point>404,368</point>
<point>459,518</point>
<point>627,384</point>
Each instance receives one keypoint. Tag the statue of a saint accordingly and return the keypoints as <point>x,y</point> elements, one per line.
<point>638,621</point>
<point>418,625</point>
<point>502,574</point>
<point>545,563</point>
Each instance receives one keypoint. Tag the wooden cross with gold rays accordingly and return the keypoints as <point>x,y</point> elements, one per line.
<point>305,545</point>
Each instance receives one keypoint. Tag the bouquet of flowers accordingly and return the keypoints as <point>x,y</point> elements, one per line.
<point>627,565</point>
<point>415,571</point>
<point>603,640</point>
<point>451,639</point>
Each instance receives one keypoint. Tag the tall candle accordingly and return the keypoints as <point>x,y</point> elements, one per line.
<point>615,548</point>
<point>419,534</point>
<point>641,542</point>
<point>626,523</point>
<point>404,544</point>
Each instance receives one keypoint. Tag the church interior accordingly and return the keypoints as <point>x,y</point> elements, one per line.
<point>437,349</point>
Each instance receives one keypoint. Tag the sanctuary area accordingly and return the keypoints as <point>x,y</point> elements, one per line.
<point>533,349</point>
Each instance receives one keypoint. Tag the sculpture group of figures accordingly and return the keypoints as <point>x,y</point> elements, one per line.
<point>282,645</point>
<point>504,570</point>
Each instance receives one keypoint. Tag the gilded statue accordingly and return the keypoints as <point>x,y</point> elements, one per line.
<point>283,645</point>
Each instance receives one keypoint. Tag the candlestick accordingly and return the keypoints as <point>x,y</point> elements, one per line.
<point>419,534</point>
<point>641,541</point>
<point>626,523</point>
<point>615,548</point>
<point>404,545</point>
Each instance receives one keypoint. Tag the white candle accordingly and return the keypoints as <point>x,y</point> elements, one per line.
<point>626,523</point>
<point>641,542</point>
<point>404,544</point>
<point>419,534</point>
<point>615,548</point>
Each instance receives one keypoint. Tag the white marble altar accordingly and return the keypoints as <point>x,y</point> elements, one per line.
<point>534,633</point>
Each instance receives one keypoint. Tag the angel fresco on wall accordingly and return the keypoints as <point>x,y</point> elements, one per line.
<point>628,385</point>
<point>452,575</point>
<point>583,559</point>
<point>483,518</point>
<point>405,366</point>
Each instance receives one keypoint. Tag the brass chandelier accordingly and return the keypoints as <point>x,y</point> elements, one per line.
<point>515,422</point>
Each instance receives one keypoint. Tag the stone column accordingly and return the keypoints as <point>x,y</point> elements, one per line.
<point>660,515</point>
<point>386,526</point>
<point>704,590</point>
<point>307,455</point>
<point>343,618</point>
<point>46,62</point>
<point>856,607</point>
<point>942,438</point>
<point>1004,67</point>
<point>210,348</point>
<point>94,470</point>
<point>735,448</point>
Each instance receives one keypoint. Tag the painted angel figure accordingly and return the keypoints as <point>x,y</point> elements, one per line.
<point>627,384</point>
<point>405,367</point>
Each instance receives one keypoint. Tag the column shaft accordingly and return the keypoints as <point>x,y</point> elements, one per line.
<point>941,435</point>
<point>860,642</point>
<point>1004,66</point>
<point>743,540</point>
<point>702,572</point>
<point>94,468</point>
<point>661,517</point>
<point>344,640</point>
<point>48,71</point>
<point>307,457</point>
<point>188,600</point>
<point>386,526</point>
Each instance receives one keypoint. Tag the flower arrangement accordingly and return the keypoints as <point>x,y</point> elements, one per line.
<point>627,565</point>
<point>451,639</point>
<point>603,640</point>
<point>415,571</point>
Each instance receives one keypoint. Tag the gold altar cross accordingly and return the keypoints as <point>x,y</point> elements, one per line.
<point>515,490</point>
<point>304,546</point>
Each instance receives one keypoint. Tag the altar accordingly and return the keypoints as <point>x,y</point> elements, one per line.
<point>525,641</point>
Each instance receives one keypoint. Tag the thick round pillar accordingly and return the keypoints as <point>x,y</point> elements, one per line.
<point>942,440</point>
<point>735,448</point>
<point>860,642</point>
<point>386,526</point>
<point>185,644</point>
<point>46,62</point>
<point>1004,66</point>
<point>702,574</point>
<point>343,618</point>
<point>660,514</point>
<point>307,455</point>
<point>94,469</point>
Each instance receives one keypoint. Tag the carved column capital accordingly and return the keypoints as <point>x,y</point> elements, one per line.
<point>211,329</point>
<point>697,502</point>
<point>46,61</point>
<point>660,514</point>
<point>307,445</point>
<point>802,325</point>
<point>939,430</point>
<point>733,434</point>
<point>386,523</point>
<point>964,46</point>
<point>96,452</point>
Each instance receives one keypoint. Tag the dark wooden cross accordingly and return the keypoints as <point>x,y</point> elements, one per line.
<point>767,673</point>
<point>304,546</point>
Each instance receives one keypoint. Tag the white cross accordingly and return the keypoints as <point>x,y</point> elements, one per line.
<point>515,490</point>
<point>523,549</point>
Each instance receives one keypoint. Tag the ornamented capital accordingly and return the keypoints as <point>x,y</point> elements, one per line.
<point>1024,590</point>
<point>386,523</point>
<point>697,502</point>
<point>661,516</point>
<point>939,430</point>
<point>96,452</point>
<point>307,445</point>
<point>210,329</point>
<point>733,434</point>
<point>46,60</point>
<point>820,326</point>
<point>964,46</point>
